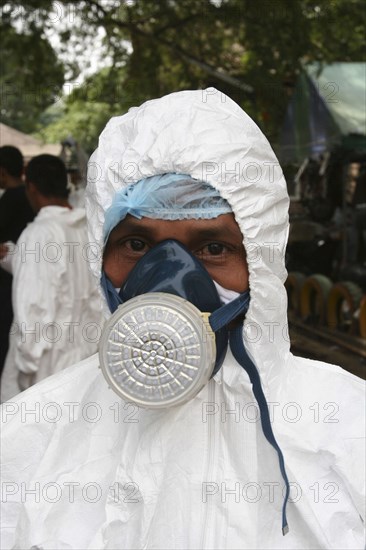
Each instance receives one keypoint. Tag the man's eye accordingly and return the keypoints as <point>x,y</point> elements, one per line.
<point>136,245</point>
<point>215,249</point>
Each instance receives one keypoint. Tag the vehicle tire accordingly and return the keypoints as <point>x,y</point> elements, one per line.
<point>293,285</point>
<point>343,300</point>
<point>313,298</point>
<point>362,318</point>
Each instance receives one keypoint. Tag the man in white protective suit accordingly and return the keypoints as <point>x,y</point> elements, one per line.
<point>201,429</point>
<point>57,309</point>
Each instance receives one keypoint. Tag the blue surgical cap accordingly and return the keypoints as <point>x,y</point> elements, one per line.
<point>165,197</point>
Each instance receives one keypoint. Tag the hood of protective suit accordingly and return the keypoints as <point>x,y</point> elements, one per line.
<point>208,136</point>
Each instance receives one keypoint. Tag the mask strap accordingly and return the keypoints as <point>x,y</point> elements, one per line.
<point>221,317</point>
<point>225,314</point>
<point>112,296</point>
<point>240,354</point>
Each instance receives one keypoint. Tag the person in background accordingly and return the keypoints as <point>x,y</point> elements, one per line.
<point>76,162</point>
<point>15,213</point>
<point>57,313</point>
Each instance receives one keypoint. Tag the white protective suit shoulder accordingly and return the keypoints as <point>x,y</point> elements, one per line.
<point>105,474</point>
<point>57,309</point>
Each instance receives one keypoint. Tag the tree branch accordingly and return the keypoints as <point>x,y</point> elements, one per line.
<point>221,75</point>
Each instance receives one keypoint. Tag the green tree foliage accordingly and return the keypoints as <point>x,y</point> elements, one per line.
<point>251,49</point>
<point>84,113</point>
<point>31,77</point>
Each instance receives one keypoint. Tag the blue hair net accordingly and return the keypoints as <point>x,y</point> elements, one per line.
<point>165,197</point>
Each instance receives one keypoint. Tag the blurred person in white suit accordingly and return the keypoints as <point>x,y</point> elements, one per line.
<point>57,310</point>
<point>200,421</point>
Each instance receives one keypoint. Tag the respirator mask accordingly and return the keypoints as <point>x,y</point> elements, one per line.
<point>169,333</point>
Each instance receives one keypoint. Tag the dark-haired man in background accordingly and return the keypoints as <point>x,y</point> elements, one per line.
<point>56,307</point>
<point>15,213</point>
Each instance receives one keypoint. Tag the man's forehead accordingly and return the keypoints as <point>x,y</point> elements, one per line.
<point>224,226</point>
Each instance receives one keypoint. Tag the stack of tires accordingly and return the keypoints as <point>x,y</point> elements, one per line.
<point>319,301</point>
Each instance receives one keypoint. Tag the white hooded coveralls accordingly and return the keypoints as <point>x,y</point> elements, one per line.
<point>105,474</point>
<point>57,309</point>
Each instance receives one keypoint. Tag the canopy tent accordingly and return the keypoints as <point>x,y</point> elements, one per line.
<point>28,145</point>
<point>327,109</point>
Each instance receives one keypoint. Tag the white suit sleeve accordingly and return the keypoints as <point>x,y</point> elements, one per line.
<point>35,287</point>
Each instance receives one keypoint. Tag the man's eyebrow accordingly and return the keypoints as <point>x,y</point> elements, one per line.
<point>215,232</point>
<point>217,229</point>
<point>133,224</point>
